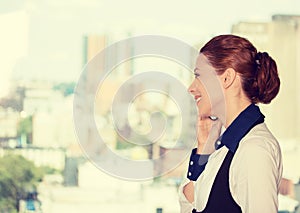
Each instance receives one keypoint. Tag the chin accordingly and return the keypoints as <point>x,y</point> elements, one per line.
<point>203,115</point>
<point>204,112</point>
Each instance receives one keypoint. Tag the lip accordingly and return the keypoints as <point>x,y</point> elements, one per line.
<point>197,98</point>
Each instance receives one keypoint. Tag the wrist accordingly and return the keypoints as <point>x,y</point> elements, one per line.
<point>204,149</point>
<point>200,148</point>
<point>197,164</point>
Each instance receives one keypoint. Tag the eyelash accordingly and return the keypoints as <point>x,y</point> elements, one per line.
<point>196,75</point>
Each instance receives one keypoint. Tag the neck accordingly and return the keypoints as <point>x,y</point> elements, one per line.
<point>234,108</point>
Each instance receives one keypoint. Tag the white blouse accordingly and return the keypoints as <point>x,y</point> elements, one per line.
<point>254,175</point>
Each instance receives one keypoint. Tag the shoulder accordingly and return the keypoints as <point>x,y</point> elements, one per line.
<point>258,151</point>
<point>259,140</point>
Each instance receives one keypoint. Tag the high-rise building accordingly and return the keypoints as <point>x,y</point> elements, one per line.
<point>103,77</point>
<point>281,39</point>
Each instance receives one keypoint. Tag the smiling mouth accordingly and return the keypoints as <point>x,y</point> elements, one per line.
<point>197,98</point>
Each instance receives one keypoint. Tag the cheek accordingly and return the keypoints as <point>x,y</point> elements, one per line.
<point>205,97</point>
<point>204,105</point>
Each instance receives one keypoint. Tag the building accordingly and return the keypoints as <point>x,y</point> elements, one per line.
<point>52,121</point>
<point>9,120</point>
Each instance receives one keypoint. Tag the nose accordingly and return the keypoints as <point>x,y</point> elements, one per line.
<point>192,88</point>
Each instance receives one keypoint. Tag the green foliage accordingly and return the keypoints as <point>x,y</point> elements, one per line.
<point>7,205</point>
<point>18,177</point>
<point>25,128</point>
<point>65,88</point>
<point>43,170</point>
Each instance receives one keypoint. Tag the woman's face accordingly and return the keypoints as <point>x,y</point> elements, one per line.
<point>199,92</point>
<point>206,89</point>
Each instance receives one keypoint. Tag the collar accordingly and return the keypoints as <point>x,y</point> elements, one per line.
<point>245,121</point>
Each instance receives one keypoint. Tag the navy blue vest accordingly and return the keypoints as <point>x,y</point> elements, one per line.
<point>220,198</point>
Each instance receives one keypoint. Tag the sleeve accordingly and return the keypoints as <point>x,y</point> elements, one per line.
<point>197,165</point>
<point>257,173</point>
<point>185,205</point>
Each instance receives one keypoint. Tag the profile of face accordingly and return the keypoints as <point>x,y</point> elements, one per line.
<point>201,97</point>
<point>207,90</point>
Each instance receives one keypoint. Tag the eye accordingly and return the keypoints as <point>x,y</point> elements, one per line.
<point>196,75</point>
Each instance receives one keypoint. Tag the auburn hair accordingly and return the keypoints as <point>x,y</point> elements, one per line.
<point>260,80</point>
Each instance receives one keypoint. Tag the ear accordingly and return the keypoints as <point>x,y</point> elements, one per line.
<point>228,77</point>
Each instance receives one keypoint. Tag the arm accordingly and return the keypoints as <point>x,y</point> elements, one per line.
<point>197,165</point>
<point>207,133</point>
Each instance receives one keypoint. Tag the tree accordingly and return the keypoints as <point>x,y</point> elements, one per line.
<point>25,128</point>
<point>18,177</point>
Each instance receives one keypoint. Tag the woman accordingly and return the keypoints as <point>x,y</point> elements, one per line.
<point>240,170</point>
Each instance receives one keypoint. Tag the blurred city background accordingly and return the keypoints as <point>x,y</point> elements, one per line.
<point>44,46</point>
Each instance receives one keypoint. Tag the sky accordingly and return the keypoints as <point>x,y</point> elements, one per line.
<point>43,39</point>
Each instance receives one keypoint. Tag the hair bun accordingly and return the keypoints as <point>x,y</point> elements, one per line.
<point>268,81</point>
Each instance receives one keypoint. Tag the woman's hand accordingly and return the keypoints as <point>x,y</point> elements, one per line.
<point>208,132</point>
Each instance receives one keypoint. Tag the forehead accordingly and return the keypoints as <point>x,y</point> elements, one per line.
<point>203,65</point>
